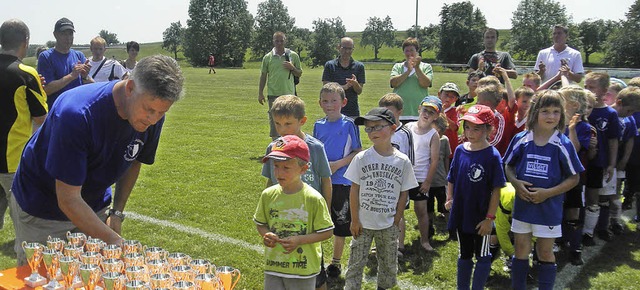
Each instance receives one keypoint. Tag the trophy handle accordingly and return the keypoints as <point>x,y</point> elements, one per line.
<point>235,273</point>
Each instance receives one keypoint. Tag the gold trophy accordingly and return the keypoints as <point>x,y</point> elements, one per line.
<point>158,266</point>
<point>91,258</point>
<point>55,243</point>
<point>72,251</point>
<point>131,246</point>
<point>90,275</point>
<point>33,252</point>
<point>136,273</point>
<point>154,253</point>
<point>133,259</point>
<point>208,282</point>
<point>112,265</point>
<point>94,245</point>
<point>202,266</point>
<point>182,273</point>
<point>76,239</point>
<point>51,259</point>
<point>69,268</point>
<point>135,285</point>
<point>111,251</point>
<point>161,281</point>
<point>113,281</point>
<point>227,276</point>
<point>177,259</point>
<point>183,285</point>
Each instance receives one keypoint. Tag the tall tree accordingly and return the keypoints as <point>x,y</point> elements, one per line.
<point>378,32</point>
<point>298,39</point>
<point>325,36</point>
<point>110,38</point>
<point>532,24</point>
<point>593,35</point>
<point>461,29</point>
<point>429,37</point>
<point>221,27</point>
<point>272,16</point>
<point>172,38</point>
<point>623,44</point>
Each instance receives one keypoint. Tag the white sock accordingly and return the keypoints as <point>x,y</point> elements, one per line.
<point>590,219</point>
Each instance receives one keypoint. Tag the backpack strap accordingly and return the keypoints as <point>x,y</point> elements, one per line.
<point>111,76</point>
<point>99,67</point>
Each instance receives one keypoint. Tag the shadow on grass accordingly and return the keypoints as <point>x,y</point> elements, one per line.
<point>6,249</point>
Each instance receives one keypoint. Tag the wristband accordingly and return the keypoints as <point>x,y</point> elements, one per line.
<point>491,217</point>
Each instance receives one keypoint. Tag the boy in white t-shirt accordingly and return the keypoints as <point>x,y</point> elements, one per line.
<point>104,69</point>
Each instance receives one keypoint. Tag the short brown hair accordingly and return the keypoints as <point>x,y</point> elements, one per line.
<point>332,87</point>
<point>288,105</point>
<point>635,82</point>
<point>491,93</point>
<point>600,77</point>
<point>489,80</point>
<point>391,100</point>
<point>532,76</point>
<point>411,42</point>
<point>543,99</point>
<point>630,97</point>
<point>98,40</point>
<point>524,91</point>
<point>13,34</point>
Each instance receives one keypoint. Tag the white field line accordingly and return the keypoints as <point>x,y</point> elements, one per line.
<point>403,284</point>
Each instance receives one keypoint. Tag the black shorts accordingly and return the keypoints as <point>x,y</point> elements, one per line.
<point>340,210</point>
<point>437,193</point>
<point>632,182</point>
<point>594,177</point>
<point>415,194</point>
<point>574,198</point>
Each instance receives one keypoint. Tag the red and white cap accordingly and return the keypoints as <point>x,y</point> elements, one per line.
<point>479,114</point>
<point>288,147</point>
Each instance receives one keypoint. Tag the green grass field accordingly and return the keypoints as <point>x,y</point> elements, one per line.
<point>206,181</point>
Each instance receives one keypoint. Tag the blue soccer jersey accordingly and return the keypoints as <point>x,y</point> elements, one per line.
<point>83,142</point>
<point>474,175</point>
<point>340,138</point>
<point>605,120</point>
<point>53,65</point>
<point>545,167</point>
<point>629,132</point>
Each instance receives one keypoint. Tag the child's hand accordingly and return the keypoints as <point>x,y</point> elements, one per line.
<point>538,195</point>
<point>424,188</point>
<point>499,71</point>
<point>448,204</point>
<point>484,227</point>
<point>270,239</point>
<point>356,228</point>
<point>574,121</point>
<point>521,189</point>
<point>290,244</point>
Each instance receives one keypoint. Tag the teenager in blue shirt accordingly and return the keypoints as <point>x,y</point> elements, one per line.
<point>541,164</point>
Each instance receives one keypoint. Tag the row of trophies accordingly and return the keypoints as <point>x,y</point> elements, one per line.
<point>90,263</point>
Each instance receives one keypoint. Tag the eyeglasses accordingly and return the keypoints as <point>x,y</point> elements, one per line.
<point>375,128</point>
<point>346,48</point>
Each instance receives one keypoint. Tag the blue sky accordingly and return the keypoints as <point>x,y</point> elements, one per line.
<point>145,20</point>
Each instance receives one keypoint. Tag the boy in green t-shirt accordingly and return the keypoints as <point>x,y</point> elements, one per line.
<point>292,219</point>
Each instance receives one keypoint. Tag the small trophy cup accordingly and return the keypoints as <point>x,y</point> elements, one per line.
<point>112,265</point>
<point>154,253</point>
<point>158,267</point>
<point>94,245</point>
<point>33,251</point>
<point>227,276</point>
<point>76,239</point>
<point>131,246</point>
<point>91,258</point>
<point>183,285</point>
<point>159,281</point>
<point>90,274</point>
<point>133,259</point>
<point>111,251</point>
<point>202,266</point>
<point>113,281</point>
<point>208,282</point>
<point>183,273</point>
<point>135,285</point>
<point>136,273</point>
<point>51,259</point>
<point>55,243</point>
<point>177,259</point>
<point>69,268</point>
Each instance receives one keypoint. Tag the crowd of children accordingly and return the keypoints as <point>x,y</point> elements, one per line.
<point>550,165</point>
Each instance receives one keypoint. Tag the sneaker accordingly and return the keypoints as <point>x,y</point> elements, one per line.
<point>507,265</point>
<point>605,235</point>
<point>556,248</point>
<point>576,258</point>
<point>616,228</point>
<point>588,241</point>
<point>333,270</point>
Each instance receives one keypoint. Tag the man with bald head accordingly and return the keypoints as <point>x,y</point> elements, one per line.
<point>348,73</point>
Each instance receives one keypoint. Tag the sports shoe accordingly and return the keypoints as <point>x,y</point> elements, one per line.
<point>587,240</point>
<point>334,270</point>
<point>605,235</point>
<point>508,262</point>
<point>576,258</point>
<point>616,228</point>
<point>556,248</point>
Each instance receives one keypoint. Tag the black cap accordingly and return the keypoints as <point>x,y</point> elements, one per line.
<point>377,114</point>
<point>63,24</point>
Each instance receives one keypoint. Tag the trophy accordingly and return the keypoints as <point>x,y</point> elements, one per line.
<point>157,267</point>
<point>72,251</point>
<point>202,266</point>
<point>76,239</point>
<point>113,281</point>
<point>183,285</point>
<point>182,273</point>
<point>33,252</point>
<point>177,259</point>
<point>227,276</point>
<point>159,281</point>
<point>90,275</point>
<point>131,246</point>
<point>133,259</point>
<point>69,268</point>
<point>135,285</point>
<point>91,258</point>
<point>208,282</point>
<point>112,265</point>
<point>55,243</point>
<point>94,245</point>
<point>51,259</point>
<point>154,253</point>
<point>136,273</point>
<point>111,251</point>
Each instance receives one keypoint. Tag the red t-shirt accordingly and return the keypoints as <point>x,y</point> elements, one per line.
<point>506,128</point>
<point>452,132</point>
<point>211,60</point>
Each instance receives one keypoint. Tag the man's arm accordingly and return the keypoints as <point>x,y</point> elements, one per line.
<point>81,215</point>
<point>124,186</point>
<point>263,82</point>
<point>397,80</point>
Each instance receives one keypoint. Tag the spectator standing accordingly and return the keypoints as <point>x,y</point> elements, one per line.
<point>411,79</point>
<point>486,60</point>
<point>550,60</point>
<point>348,73</point>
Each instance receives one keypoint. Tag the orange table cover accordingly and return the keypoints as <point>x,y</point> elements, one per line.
<point>12,279</point>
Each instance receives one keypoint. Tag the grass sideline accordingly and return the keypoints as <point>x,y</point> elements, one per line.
<point>207,176</point>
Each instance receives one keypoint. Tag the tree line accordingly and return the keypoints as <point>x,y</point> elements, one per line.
<point>226,29</point>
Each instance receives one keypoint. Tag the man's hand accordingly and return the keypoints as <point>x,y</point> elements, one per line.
<point>290,244</point>
<point>409,63</point>
<point>288,65</point>
<point>77,69</point>
<point>115,223</point>
<point>86,67</point>
<point>261,99</point>
<point>270,239</point>
<point>541,68</point>
<point>353,81</point>
<point>481,64</point>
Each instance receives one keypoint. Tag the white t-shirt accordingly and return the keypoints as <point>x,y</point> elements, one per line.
<point>403,141</point>
<point>422,151</point>
<point>381,179</point>
<point>105,71</point>
<point>551,59</point>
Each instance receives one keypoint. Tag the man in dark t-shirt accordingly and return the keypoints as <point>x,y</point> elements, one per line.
<point>489,58</point>
<point>348,73</point>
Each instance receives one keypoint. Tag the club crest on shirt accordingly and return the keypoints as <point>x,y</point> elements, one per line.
<point>476,172</point>
<point>602,123</point>
<point>133,149</point>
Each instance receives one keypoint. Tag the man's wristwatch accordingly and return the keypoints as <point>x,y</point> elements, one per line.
<point>117,213</point>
